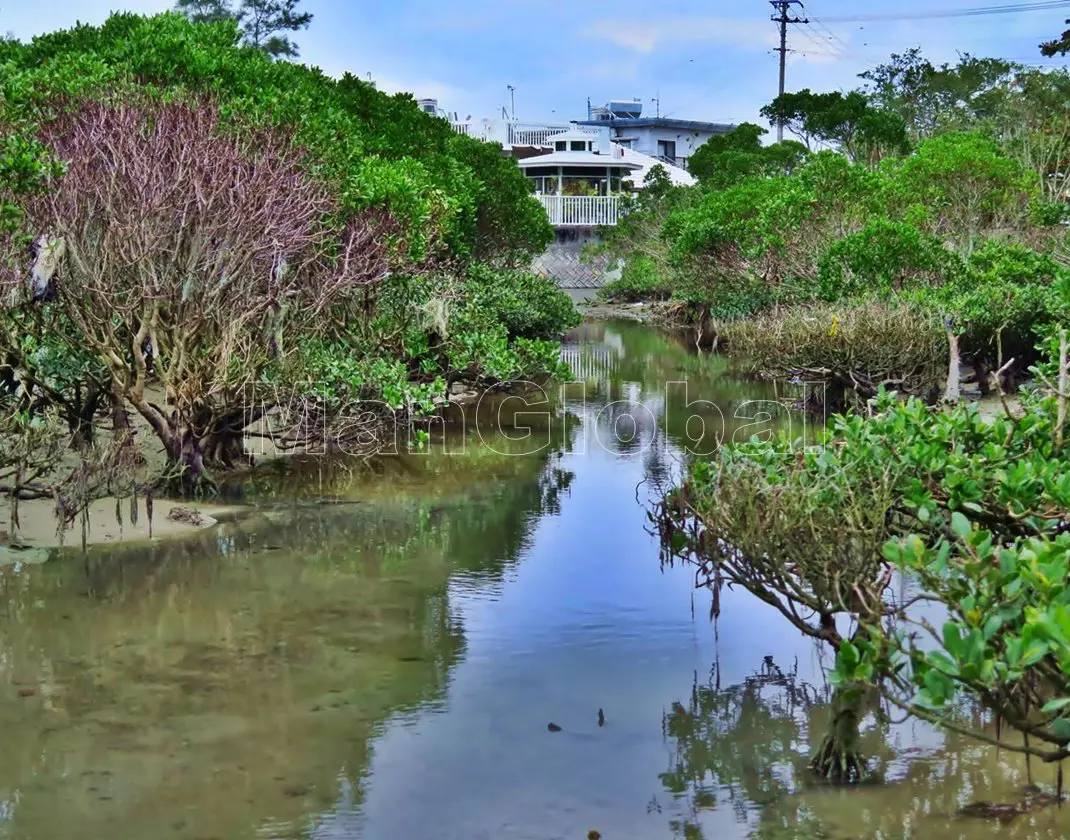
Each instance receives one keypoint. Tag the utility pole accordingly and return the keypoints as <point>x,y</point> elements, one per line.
<point>784,17</point>
<point>512,100</point>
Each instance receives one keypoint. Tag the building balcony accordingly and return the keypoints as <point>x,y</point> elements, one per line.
<point>581,210</point>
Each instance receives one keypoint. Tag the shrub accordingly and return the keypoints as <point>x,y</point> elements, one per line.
<point>856,348</point>
<point>883,258</point>
<point>528,306</point>
<point>1000,302</point>
<point>639,281</point>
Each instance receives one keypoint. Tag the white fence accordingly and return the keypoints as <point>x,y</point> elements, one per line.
<point>581,210</point>
<point>537,134</point>
<point>515,133</point>
<point>470,128</point>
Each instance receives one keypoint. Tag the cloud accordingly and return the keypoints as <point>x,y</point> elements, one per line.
<point>444,92</point>
<point>421,88</point>
<point>644,36</point>
<point>611,68</point>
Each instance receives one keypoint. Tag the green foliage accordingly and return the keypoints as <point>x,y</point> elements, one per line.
<point>451,193</point>
<point>262,21</point>
<point>883,258</point>
<point>1057,46</point>
<point>336,374</point>
<point>931,99</point>
<point>971,508</point>
<point>983,536</point>
<point>959,186</point>
<point>726,159</point>
<point>1002,301</point>
<point>640,280</point>
<point>527,306</point>
<point>770,231</point>
<point>866,134</point>
<point>838,348</point>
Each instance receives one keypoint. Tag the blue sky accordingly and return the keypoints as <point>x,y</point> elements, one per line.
<point>704,59</point>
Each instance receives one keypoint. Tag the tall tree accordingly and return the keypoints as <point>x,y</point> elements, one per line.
<point>934,98</point>
<point>864,133</point>
<point>263,22</point>
<point>205,11</point>
<point>1060,46</point>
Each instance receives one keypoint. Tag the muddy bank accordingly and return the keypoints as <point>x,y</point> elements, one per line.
<point>596,310</point>
<point>109,520</point>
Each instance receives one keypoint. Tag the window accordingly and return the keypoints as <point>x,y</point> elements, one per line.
<point>667,150</point>
<point>559,146</point>
<point>579,145</point>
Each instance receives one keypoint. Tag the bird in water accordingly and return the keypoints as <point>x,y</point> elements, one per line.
<point>601,718</point>
<point>553,727</point>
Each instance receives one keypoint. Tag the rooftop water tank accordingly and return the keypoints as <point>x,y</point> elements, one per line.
<point>626,108</point>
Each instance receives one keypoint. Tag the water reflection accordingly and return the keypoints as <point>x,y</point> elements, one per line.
<point>230,684</point>
<point>376,649</point>
<point>743,749</point>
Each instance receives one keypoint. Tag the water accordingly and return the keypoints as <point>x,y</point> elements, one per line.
<point>385,666</point>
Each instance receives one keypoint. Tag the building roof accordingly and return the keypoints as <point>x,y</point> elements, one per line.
<point>677,175</point>
<point>661,122</point>
<point>579,159</point>
<point>573,134</point>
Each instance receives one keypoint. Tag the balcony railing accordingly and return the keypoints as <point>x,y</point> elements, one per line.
<point>515,133</point>
<point>581,210</point>
<point>469,128</point>
<point>537,134</point>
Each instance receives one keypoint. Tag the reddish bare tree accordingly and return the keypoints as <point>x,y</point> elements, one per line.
<point>186,247</point>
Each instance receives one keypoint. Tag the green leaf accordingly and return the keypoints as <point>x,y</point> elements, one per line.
<point>1055,705</point>
<point>1036,651</point>
<point>960,525</point>
<point>1061,730</point>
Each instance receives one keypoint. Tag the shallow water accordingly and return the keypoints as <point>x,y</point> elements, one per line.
<point>385,666</point>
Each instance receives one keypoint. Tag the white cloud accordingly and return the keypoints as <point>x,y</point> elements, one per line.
<point>444,92</point>
<point>421,88</point>
<point>644,36</point>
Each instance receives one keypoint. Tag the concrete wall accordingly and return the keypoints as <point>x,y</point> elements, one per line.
<point>647,139</point>
<point>562,261</point>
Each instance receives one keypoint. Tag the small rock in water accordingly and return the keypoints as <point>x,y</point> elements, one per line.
<point>601,718</point>
<point>553,727</point>
<point>294,791</point>
<point>27,692</point>
<point>594,835</point>
<point>190,516</point>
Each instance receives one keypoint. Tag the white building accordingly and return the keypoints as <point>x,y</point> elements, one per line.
<point>668,139</point>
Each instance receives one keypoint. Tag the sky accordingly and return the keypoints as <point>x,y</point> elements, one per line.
<point>700,59</point>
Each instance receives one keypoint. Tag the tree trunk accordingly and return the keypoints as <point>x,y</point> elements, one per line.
<point>952,391</point>
<point>81,413</point>
<point>838,758</point>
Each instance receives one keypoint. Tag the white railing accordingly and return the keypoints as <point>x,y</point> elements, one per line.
<point>510,133</point>
<point>581,210</point>
<point>537,134</point>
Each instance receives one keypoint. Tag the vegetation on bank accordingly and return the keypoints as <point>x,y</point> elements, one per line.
<point>927,546</point>
<point>971,512</point>
<point>208,239</point>
<point>936,192</point>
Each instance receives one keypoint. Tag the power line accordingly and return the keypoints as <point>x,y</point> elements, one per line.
<point>1011,8</point>
<point>832,35</point>
<point>824,47</point>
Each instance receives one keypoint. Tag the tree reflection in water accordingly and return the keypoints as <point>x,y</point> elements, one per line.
<point>744,747</point>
